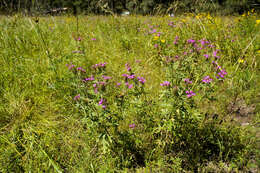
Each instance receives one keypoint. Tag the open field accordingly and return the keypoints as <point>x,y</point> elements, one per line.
<point>130,94</point>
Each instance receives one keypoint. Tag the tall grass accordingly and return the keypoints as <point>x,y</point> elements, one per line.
<point>63,109</point>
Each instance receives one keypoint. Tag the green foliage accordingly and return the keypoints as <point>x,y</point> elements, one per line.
<point>122,94</point>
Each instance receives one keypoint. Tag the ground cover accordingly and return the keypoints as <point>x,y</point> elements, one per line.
<point>129,94</point>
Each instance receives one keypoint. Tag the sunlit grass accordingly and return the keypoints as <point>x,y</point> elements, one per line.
<point>43,128</point>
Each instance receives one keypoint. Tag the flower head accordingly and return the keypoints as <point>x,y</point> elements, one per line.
<point>187,81</point>
<point>190,93</point>
<point>207,79</point>
<point>132,126</point>
<point>77,97</point>
<point>141,80</point>
<point>165,83</point>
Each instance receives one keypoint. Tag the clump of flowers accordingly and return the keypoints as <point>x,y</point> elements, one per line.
<point>102,103</point>
<point>89,79</point>
<point>207,79</point>
<point>165,83</point>
<point>190,93</point>
<point>99,65</point>
<point>141,80</point>
<point>221,74</point>
<point>187,81</point>
<point>81,69</point>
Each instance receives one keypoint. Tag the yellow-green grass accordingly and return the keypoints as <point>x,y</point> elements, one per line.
<point>44,129</point>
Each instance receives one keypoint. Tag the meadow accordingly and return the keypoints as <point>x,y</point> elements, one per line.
<point>130,94</point>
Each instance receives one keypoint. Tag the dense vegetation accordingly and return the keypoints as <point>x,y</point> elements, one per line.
<point>129,94</point>
<point>134,6</point>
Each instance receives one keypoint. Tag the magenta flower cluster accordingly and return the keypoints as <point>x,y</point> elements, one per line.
<point>190,93</point>
<point>207,79</point>
<point>99,65</point>
<point>187,81</point>
<point>165,83</point>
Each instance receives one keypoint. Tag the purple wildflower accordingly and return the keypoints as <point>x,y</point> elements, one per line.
<point>81,69</point>
<point>118,84</point>
<point>187,81</point>
<point>221,74</point>
<point>77,97</point>
<point>165,83</point>
<point>93,39</point>
<point>132,126</point>
<point>89,79</point>
<point>206,56</point>
<point>101,102</point>
<point>131,76</point>
<point>156,45</point>
<point>190,93</point>
<point>99,65</point>
<point>71,66</point>
<point>191,41</point>
<point>127,66</point>
<point>79,38</point>
<point>207,79</point>
<point>106,77</point>
<point>215,54</point>
<point>141,80</point>
<point>176,40</point>
<point>153,31</point>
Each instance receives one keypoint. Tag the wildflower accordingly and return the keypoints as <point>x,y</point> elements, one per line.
<point>99,65</point>
<point>141,80</point>
<point>81,69</point>
<point>191,41</point>
<point>155,38</point>
<point>206,56</point>
<point>257,22</point>
<point>129,85</point>
<point>101,102</point>
<point>95,88</point>
<point>241,60</point>
<point>118,84</point>
<point>163,41</point>
<point>165,83</point>
<point>215,54</point>
<point>79,38</point>
<point>93,39</point>
<point>106,77</point>
<point>89,79</point>
<point>127,66</point>
<point>176,40</point>
<point>207,79</point>
<point>71,66</point>
<point>153,31</point>
<point>221,74</point>
<point>132,126</point>
<point>185,53</point>
<point>187,81</point>
<point>77,97</point>
<point>190,93</point>
<point>156,45</point>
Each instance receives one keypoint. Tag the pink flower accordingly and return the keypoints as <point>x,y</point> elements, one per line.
<point>165,83</point>
<point>77,97</point>
<point>207,79</point>
<point>190,94</point>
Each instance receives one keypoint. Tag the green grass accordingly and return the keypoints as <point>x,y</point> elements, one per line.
<point>44,129</point>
